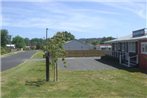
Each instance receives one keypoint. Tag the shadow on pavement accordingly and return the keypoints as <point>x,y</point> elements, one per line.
<point>110,61</point>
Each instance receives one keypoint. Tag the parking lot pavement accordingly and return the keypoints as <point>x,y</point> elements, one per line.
<point>84,63</point>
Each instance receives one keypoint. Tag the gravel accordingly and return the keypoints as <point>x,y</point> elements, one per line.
<point>84,63</point>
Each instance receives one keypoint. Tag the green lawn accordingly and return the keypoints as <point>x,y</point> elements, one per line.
<point>39,54</point>
<point>28,81</point>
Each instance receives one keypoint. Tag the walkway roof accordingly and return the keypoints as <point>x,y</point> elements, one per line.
<point>127,38</point>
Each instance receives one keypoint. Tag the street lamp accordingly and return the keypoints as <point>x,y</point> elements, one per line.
<point>46,37</point>
<point>47,59</point>
<point>10,36</point>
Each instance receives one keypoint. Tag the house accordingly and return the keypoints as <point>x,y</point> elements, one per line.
<point>103,47</point>
<point>130,50</point>
<point>77,45</point>
<point>27,47</point>
<point>33,47</point>
<point>12,46</point>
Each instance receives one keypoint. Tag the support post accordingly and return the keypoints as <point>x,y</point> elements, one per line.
<point>56,71</point>
<point>120,59</point>
<point>128,61</point>
<point>47,66</point>
<point>136,59</point>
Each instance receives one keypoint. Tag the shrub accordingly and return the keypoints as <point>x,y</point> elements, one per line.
<point>4,50</point>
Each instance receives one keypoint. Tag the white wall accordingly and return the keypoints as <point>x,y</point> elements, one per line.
<point>10,45</point>
<point>103,47</point>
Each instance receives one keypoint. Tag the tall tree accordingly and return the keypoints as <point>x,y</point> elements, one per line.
<point>4,37</point>
<point>27,41</point>
<point>19,42</point>
<point>95,42</point>
<point>67,35</point>
<point>106,39</point>
<point>38,42</point>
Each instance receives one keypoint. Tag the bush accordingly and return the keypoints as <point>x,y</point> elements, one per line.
<point>4,50</point>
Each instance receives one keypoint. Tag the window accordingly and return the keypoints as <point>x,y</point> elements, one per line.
<point>115,47</point>
<point>123,47</point>
<point>118,46</point>
<point>144,47</point>
<point>132,47</point>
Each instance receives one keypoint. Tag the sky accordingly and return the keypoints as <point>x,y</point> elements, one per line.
<point>83,18</point>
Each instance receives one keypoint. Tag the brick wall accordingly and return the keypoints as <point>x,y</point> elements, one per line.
<point>142,57</point>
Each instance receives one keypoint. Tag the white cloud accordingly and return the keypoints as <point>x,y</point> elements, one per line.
<point>140,9</point>
<point>77,23</point>
<point>77,0</point>
<point>58,16</point>
<point>0,16</point>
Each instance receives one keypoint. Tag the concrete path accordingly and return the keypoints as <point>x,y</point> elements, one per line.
<point>15,59</point>
<point>84,63</point>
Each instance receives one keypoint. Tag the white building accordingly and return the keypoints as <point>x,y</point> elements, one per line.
<point>10,45</point>
<point>77,45</point>
<point>103,47</point>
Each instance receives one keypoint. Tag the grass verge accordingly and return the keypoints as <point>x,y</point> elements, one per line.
<point>38,55</point>
<point>28,81</point>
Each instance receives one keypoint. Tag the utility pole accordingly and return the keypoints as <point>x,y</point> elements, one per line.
<point>46,37</point>
<point>47,59</point>
<point>10,36</point>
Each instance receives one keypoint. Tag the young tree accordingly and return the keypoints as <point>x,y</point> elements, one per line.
<point>56,50</point>
<point>19,42</point>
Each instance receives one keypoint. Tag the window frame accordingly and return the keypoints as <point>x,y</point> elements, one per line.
<point>132,47</point>
<point>144,45</point>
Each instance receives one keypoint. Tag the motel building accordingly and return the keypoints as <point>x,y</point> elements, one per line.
<point>130,50</point>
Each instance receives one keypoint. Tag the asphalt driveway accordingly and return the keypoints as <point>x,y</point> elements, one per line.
<point>84,63</point>
<point>15,59</point>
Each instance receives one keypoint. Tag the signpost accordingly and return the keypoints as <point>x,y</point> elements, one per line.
<point>139,33</point>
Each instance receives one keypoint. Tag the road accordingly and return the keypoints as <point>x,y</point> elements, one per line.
<point>16,59</point>
<point>84,63</point>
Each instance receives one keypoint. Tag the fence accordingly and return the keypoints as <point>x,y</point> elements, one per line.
<point>84,53</point>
